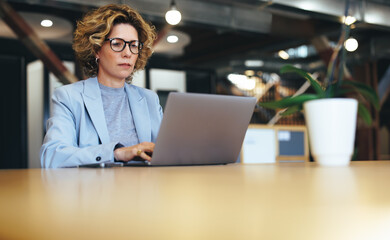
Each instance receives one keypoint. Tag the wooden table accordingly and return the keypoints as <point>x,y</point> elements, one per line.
<point>276,201</point>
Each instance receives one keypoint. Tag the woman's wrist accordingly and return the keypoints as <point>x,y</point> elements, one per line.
<point>117,152</point>
<point>117,155</point>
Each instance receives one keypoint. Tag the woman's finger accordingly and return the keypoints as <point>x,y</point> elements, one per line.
<point>145,156</point>
<point>146,146</point>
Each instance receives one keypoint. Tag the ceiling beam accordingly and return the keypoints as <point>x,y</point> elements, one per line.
<point>31,40</point>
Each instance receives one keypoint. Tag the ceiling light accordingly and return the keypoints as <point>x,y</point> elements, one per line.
<point>254,63</point>
<point>283,54</point>
<point>172,39</point>
<point>46,23</point>
<point>173,16</point>
<point>348,20</point>
<point>351,44</point>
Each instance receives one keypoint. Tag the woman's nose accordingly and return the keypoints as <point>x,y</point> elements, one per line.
<point>126,52</point>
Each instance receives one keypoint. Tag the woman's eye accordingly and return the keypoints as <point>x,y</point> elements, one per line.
<point>116,44</point>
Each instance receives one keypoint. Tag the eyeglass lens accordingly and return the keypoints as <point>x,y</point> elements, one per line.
<point>118,44</point>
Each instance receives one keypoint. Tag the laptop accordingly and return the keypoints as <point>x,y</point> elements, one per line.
<point>199,129</point>
<point>202,129</point>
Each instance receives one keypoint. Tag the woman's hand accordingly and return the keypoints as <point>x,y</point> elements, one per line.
<point>143,150</point>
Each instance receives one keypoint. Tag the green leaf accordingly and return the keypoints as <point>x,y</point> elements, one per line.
<point>289,101</point>
<point>364,114</point>
<point>368,92</point>
<point>314,83</point>
<point>291,110</point>
<point>333,90</point>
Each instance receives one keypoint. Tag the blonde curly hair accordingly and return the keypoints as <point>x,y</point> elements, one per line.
<point>96,25</point>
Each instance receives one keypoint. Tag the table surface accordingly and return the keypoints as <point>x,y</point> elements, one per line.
<point>269,201</point>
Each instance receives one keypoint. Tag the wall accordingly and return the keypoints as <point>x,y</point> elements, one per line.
<point>162,79</point>
<point>35,106</point>
<point>35,88</point>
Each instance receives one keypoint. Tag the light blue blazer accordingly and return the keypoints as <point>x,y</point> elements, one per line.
<point>77,130</point>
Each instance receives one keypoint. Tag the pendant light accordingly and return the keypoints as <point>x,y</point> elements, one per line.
<point>173,16</point>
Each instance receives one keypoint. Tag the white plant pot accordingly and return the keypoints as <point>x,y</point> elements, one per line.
<point>331,125</point>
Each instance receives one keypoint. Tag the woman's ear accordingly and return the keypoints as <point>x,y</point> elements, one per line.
<point>97,58</point>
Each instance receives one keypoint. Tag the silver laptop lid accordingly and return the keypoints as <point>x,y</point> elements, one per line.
<point>202,129</point>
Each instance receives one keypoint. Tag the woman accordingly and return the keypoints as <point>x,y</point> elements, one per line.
<point>104,118</point>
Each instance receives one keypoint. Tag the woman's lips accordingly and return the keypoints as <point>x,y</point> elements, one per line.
<point>125,65</point>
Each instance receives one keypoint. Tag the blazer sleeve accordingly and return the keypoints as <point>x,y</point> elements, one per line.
<point>155,116</point>
<point>60,147</point>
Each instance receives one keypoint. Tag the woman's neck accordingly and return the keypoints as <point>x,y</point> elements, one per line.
<point>113,83</point>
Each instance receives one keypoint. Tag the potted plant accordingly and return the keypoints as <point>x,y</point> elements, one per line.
<point>330,117</point>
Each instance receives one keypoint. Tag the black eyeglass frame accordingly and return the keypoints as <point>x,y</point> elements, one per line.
<point>124,46</point>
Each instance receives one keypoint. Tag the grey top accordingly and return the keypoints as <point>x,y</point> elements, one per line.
<point>118,116</point>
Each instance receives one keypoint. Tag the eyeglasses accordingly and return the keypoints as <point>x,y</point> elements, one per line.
<point>118,44</point>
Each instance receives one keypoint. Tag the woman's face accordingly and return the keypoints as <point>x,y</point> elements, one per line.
<point>117,66</point>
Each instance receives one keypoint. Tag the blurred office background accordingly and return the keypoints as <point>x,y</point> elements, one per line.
<point>234,47</point>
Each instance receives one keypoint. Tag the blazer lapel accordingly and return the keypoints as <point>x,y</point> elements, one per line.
<point>94,105</point>
<point>139,110</point>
